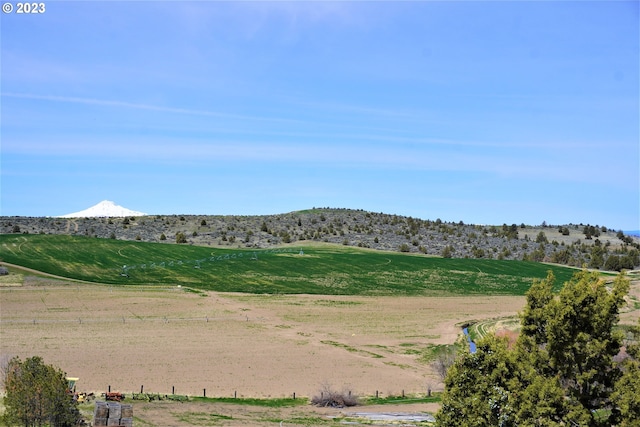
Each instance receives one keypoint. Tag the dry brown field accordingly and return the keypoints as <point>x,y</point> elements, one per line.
<point>171,339</point>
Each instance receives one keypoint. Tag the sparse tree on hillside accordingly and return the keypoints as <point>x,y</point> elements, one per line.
<point>597,256</point>
<point>181,238</point>
<point>590,231</point>
<point>447,251</point>
<point>541,238</point>
<point>510,232</point>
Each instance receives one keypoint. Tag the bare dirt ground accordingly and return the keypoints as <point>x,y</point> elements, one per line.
<point>207,414</point>
<point>173,340</point>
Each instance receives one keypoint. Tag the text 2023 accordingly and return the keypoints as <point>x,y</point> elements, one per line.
<point>30,8</point>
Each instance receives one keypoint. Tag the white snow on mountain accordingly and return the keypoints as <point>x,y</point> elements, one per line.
<point>105,208</point>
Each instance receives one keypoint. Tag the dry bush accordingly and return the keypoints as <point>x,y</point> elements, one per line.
<point>4,369</point>
<point>443,361</point>
<point>329,397</point>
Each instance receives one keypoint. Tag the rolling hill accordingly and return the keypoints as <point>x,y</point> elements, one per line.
<point>291,269</point>
<point>572,244</point>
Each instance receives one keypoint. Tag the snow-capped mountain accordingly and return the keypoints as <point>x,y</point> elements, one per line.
<point>105,208</point>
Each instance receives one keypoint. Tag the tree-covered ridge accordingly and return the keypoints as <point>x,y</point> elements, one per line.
<point>573,244</point>
<point>564,369</point>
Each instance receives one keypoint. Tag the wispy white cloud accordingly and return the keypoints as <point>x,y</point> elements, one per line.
<point>172,152</point>
<point>137,106</point>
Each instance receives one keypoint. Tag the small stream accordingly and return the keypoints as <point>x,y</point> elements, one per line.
<point>472,345</point>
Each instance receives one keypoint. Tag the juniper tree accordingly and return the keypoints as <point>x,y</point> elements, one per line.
<point>561,370</point>
<point>37,395</point>
<point>626,394</point>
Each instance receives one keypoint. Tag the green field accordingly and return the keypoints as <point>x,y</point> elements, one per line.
<point>323,269</point>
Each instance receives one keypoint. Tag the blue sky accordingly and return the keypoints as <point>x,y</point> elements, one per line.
<point>485,112</point>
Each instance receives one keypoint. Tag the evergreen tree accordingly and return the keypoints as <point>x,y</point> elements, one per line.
<point>477,391</point>
<point>561,370</point>
<point>541,238</point>
<point>37,395</point>
<point>626,394</point>
<point>581,341</point>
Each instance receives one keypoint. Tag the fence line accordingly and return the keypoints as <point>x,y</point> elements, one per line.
<point>124,319</point>
<point>150,396</point>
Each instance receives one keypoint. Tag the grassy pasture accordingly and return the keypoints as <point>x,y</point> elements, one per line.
<point>300,269</point>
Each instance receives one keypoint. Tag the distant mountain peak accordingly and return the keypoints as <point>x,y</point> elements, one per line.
<point>105,208</point>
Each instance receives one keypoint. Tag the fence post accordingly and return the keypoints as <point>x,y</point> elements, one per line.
<point>294,395</point>
<point>109,388</point>
<point>141,388</point>
<point>204,392</point>
<point>173,389</point>
<point>376,394</point>
<point>235,394</point>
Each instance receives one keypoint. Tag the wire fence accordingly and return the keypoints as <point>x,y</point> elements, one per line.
<point>145,395</point>
<point>123,320</point>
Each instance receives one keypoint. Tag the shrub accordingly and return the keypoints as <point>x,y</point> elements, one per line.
<point>334,399</point>
<point>443,361</point>
<point>541,238</point>
<point>447,252</point>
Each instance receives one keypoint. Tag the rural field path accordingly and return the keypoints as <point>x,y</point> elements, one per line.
<point>40,273</point>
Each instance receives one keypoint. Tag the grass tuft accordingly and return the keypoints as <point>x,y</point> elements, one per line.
<point>269,403</point>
